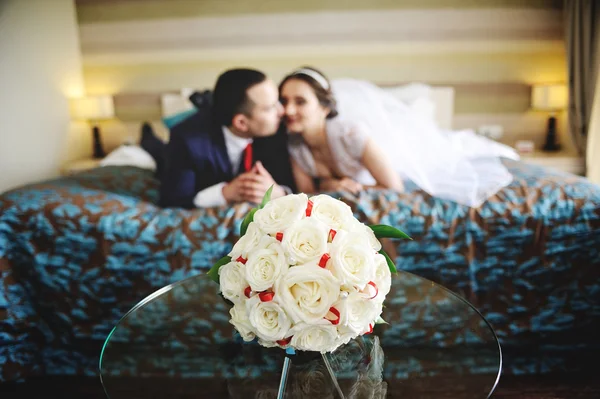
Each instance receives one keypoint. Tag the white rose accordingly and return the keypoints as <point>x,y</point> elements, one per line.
<point>247,242</point>
<point>280,213</point>
<point>268,344</point>
<point>320,338</point>
<point>269,319</point>
<point>383,277</point>
<point>265,263</point>
<point>346,334</point>
<point>305,241</point>
<point>239,319</point>
<point>367,234</point>
<point>356,314</point>
<point>307,292</point>
<point>334,213</point>
<point>352,260</point>
<point>232,281</point>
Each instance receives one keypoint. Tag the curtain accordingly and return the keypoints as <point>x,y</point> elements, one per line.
<point>582,31</point>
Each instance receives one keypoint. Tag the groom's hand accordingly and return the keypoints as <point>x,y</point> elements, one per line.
<point>252,186</point>
<point>265,180</point>
<point>237,190</point>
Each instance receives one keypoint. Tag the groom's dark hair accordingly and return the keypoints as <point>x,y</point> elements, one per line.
<point>230,95</point>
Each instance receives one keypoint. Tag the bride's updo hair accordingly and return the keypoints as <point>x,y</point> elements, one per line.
<point>320,85</point>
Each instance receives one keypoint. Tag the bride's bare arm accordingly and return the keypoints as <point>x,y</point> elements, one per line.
<point>380,167</point>
<point>304,183</point>
<point>343,184</point>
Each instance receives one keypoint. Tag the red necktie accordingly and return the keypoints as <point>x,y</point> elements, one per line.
<point>248,158</point>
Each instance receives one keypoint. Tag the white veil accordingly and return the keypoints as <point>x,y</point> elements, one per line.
<point>454,165</point>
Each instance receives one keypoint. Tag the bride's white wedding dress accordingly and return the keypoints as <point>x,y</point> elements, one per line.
<point>454,165</point>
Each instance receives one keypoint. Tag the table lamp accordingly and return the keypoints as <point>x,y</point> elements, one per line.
<point>552,98</point>
<point>94,109</point>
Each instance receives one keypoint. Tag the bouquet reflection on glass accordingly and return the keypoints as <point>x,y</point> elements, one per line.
<point>305,275</point>
<point>353,371</point>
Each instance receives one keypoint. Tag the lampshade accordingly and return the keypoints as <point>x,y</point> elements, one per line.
<point>549,97</point>
<point>92,108</point>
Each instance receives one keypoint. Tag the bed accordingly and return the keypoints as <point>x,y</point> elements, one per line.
<point>77,252</point>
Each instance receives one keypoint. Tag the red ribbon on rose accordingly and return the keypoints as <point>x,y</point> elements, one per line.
<point>309,207</point>
<point>266,296</point>
<point>336,313</point>
<point>284,342</point>
<point>372,284</point>
<point>324,259</point>
<point>331,235</point>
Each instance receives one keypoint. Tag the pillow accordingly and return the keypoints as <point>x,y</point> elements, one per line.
<point>130,155</point>
<point>423,108</point>
<point>173,120</point>
<point>153,146</point>
<point>418,98</point>
<point>410,92</point>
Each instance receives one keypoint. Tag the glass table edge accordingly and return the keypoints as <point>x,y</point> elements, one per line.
<point>171,286</point>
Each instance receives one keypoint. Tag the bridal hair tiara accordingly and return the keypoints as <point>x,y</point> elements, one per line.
<point>313,74</point>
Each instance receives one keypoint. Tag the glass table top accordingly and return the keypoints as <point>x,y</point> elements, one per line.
<point>178,342</point>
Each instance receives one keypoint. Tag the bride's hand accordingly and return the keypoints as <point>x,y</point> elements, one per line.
<point>343,184</point>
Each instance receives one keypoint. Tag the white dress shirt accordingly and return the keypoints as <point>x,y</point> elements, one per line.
<point>213,195</point>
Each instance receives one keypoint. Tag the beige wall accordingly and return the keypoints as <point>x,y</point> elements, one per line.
<point>40,65</point>
<point>490,51</point>
<point>129,10</point>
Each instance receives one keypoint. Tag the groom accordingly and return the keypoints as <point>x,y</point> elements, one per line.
<point>229,151</point>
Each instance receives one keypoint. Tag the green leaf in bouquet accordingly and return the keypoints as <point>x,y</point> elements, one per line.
<point>213,273</point>
<point>266,198</point>
<point>381,321</point>
<point>246,222</point>
<point>384,231</point>
<point>389,260</point>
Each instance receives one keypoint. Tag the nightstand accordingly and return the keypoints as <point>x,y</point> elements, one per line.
<point>561,160</point>
<point>80,165</point>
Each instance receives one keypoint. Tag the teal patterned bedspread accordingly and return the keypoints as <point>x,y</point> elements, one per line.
<point>77,252</point>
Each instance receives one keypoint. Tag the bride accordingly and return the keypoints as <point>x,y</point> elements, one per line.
<point>324,145</point>
<point>350,134</point>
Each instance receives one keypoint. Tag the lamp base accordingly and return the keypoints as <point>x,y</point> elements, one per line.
<point>551,144</point>
<point>98,150</point>
<point>551,147</point>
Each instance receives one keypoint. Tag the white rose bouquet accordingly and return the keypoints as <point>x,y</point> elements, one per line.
<point>305,274</point>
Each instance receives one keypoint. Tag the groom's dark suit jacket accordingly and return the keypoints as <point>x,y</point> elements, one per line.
<point>197,158</point>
